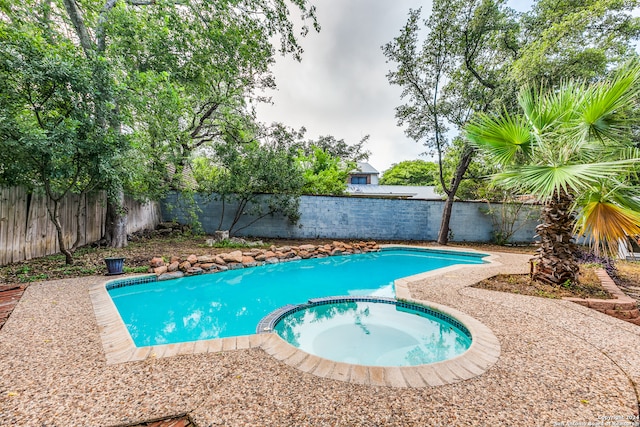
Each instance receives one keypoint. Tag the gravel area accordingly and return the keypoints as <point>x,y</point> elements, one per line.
<point>559,363</point>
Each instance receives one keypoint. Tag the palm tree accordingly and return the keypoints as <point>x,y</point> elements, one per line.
<point>573,149</point>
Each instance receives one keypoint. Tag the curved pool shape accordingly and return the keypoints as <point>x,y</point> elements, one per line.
<point>370,331</point>
<point>232,303</point>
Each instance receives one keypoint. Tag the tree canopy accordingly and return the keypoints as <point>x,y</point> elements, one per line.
<point>411,172</point>
<point>471,56</point>
<point>450,66</point>
<point>133,87</point>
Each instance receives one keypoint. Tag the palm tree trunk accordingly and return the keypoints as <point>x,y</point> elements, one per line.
<point>555,261</point>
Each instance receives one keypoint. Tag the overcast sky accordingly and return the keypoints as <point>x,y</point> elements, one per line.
<point>340,87</point>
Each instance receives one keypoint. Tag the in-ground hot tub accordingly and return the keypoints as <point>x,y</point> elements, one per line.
<point>371,331</point>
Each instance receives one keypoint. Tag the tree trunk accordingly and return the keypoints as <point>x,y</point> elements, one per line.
<point>115,230</point>
<point>80,208</point>
<point>555,261</point>
<point>55,219</point>
<point>461,169</point>
<point>443,234</point>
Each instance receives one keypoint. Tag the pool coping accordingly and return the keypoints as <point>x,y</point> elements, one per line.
<point>483,353</point>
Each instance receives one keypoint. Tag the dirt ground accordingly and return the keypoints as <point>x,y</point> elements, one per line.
<point>589,286</point>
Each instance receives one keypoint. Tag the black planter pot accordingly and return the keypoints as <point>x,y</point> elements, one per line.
<point>114,266</point>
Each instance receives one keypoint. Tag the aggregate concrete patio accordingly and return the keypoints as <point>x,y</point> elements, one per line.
<point>560,364</point>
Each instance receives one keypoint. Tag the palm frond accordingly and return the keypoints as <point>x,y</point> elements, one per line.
<point>606,224</point>
<point>545,180</point>
<point>628,197</point>
<point>504,137</point>
<point>602,112</point>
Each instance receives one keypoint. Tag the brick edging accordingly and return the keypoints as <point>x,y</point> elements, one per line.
<point>622,306</point>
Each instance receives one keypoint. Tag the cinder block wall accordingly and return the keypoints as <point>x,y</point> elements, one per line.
<point>352,218</point>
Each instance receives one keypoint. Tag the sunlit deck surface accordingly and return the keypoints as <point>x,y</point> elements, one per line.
<point>559,362</point>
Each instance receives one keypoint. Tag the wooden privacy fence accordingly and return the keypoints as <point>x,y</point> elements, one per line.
<point>27,232</point>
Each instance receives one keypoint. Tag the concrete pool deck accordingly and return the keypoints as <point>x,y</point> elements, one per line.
<point>559,363</point>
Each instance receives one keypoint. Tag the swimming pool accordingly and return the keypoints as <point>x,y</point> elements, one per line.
<point>232,303</point>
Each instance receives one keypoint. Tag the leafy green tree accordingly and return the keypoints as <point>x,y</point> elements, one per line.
<point>573,149</point>
<point>454,70</point>
<point>173,76</point>
<point>260,179</point>
<point>476,54</point>
<point>336,147</point>
<point>411,172</point>
<point>52,128</point>
<point>575,39</point>
<point>323,173</point>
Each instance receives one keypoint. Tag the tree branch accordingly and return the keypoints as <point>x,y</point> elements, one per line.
<point>78,24</point>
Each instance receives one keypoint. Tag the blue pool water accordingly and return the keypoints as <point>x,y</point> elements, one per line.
<point>233,303</point>
<point>374,333</point>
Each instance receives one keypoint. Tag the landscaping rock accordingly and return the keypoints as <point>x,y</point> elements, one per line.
<point>160,270</point>
<point>194,271</point>
<point>235,256</point>
<point>156,262</point>
<point>252,253</point>
<point>248,260</point>
<point>220,235</point>
<point>172,275</point>
<point>251,258</point>
<point>205,259</point>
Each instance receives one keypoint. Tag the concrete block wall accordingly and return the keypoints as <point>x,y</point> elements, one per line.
<point>352,218</point>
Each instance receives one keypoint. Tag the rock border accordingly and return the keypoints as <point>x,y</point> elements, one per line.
<point>621,307</point>
<point>214,263</point>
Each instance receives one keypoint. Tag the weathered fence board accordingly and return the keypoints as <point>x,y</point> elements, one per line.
<point>27,232</point>
<point>139,215</point>
<point>4,213</point>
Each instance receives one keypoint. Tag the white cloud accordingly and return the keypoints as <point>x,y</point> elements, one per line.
<point>340,87</point>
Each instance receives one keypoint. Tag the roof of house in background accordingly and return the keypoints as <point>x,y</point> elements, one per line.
<point>394,191</point>
<point>366,168</point>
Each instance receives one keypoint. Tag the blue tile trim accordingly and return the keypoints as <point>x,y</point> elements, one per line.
<point>131,281</point>
<point>268,323</point>
<point>433,251</point>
